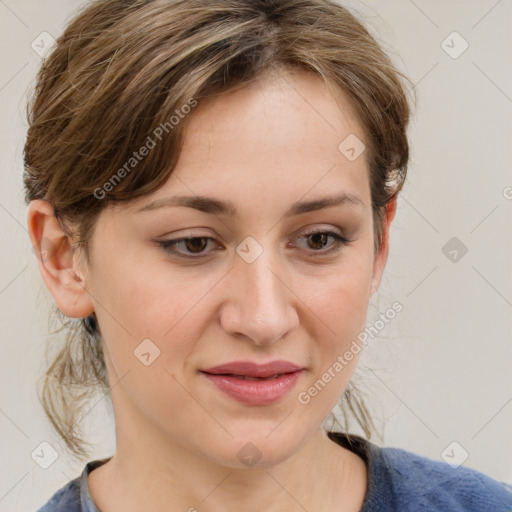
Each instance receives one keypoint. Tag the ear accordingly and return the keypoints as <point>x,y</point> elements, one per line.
<point>58,261</point>
<point>382,257</point>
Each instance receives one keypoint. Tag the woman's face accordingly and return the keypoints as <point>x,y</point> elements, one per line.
<point>255,284</point>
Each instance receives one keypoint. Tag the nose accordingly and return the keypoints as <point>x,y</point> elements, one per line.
<point>259,304</point>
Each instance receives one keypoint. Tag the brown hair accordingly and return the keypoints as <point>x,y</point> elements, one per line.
<point>122,69</point>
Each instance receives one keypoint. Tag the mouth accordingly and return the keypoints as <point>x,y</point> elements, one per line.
<point>250,369</point>
<point>254,384</point>
<point>247,377</point>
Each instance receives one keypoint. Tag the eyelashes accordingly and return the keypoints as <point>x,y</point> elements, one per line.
<point>195,247</point>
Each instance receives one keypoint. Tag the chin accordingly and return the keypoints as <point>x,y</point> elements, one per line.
<point>250,451</point>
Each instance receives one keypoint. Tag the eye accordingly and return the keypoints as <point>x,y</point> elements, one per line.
<point>190,246</point>
<point>196,247</point>
<point>318,240</point>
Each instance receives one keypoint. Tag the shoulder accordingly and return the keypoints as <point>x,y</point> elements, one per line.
<point>74,496</point>
<point>420,483</point>
<point>67,499</point>
<point>402,481</point>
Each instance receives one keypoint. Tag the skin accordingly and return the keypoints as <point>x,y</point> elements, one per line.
<point>263,147</point>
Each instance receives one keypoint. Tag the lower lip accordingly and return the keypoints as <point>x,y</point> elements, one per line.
<point>255,392</point>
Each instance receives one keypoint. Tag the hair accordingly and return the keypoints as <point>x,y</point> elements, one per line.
<point>123,69</point>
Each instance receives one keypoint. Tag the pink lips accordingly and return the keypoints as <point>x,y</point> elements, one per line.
<point>254,384</point>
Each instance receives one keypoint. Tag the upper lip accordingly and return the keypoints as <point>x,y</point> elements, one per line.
<point>250,369</point>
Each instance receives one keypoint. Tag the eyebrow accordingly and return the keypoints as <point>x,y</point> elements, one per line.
<point>218,207</point>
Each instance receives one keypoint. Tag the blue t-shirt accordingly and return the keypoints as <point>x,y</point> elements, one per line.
<point>398,481</point>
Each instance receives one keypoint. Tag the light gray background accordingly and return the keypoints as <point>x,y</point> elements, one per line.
<point>440,372</point>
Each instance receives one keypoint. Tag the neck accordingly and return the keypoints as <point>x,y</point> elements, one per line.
<point>320,476</point>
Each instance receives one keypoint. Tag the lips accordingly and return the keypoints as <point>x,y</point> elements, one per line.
<point>254,384</point>
<point>250,370</point>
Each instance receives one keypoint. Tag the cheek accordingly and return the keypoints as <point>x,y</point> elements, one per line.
<point>339,302</point>
<point>340,306</point>
<point>150,324</point>
<point>151,301</point>
<point>340,297</point>
<point>135,291</point>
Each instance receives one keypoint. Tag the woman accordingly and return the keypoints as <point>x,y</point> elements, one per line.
<point>211,186</point>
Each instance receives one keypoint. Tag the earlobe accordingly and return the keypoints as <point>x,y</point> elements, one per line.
<point>57,261</point>
<point>382,257</point>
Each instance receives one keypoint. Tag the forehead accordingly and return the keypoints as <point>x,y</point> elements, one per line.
<point>278,137</point>
<point>286,113</point>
